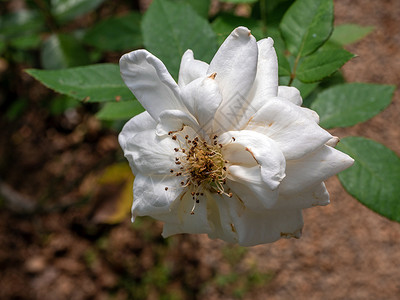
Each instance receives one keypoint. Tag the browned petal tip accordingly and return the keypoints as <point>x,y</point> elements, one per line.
<point>212,76</point>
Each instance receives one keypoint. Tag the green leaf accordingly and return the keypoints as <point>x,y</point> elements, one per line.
<point>306,25</point>
<point>304,88</point>
<point>94,83</point>
<point>346,34</point>
<point>202,7</point>
<point>23,22</point>
<point>279,45</point>
<point>66,10</point>
<point>374,179</point>
<point>62,51</point>
<point>335,79</point>
<point>348,104</point>
<point>169,29</point>
<point>26,42</point>
<point>283,65</point>
<point>273,9</point>
<point>60,104</point>
<point>119,110</point>
<point>20,30</point>
<point>224,24</point>
<point>275,34</point>
<point>321,64</point>
<point>272,5</point>
<point>115,34</point>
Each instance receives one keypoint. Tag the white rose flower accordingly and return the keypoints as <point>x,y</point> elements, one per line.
<point>226,151</point>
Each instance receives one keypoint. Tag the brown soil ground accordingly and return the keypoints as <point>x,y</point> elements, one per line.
<point>62,252</point>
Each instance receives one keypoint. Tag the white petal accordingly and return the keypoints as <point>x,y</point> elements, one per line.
<point>151,198</point>
<point>235,65</point>
<point>186,221</point>
<point>220,218</point>
<point>253,227</point>
<point>248,185</point>
<point>151,154</point>
<point>285,123</point>
<point>135,125</point>
<point>313,196</point>
<point>191,69</point>
<point>266,81</point>
<point>149,80</point>
<point>333,141</point>
<point>314,168</point>
<point>291,94</point>
<point>264,151</point>
<point>310,114</point>
<point>175,120</point>
<point>265,84</point>
<point>202,98</point>
<point>235,154</point>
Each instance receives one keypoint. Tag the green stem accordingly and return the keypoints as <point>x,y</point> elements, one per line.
<point>293,74</point>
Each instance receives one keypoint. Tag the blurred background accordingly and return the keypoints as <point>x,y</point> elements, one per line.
<point>66,189</point>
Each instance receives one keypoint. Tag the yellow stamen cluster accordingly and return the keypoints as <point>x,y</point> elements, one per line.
<point>201,165</point>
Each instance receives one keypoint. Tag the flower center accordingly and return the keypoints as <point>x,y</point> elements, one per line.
<point>201,165</point>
